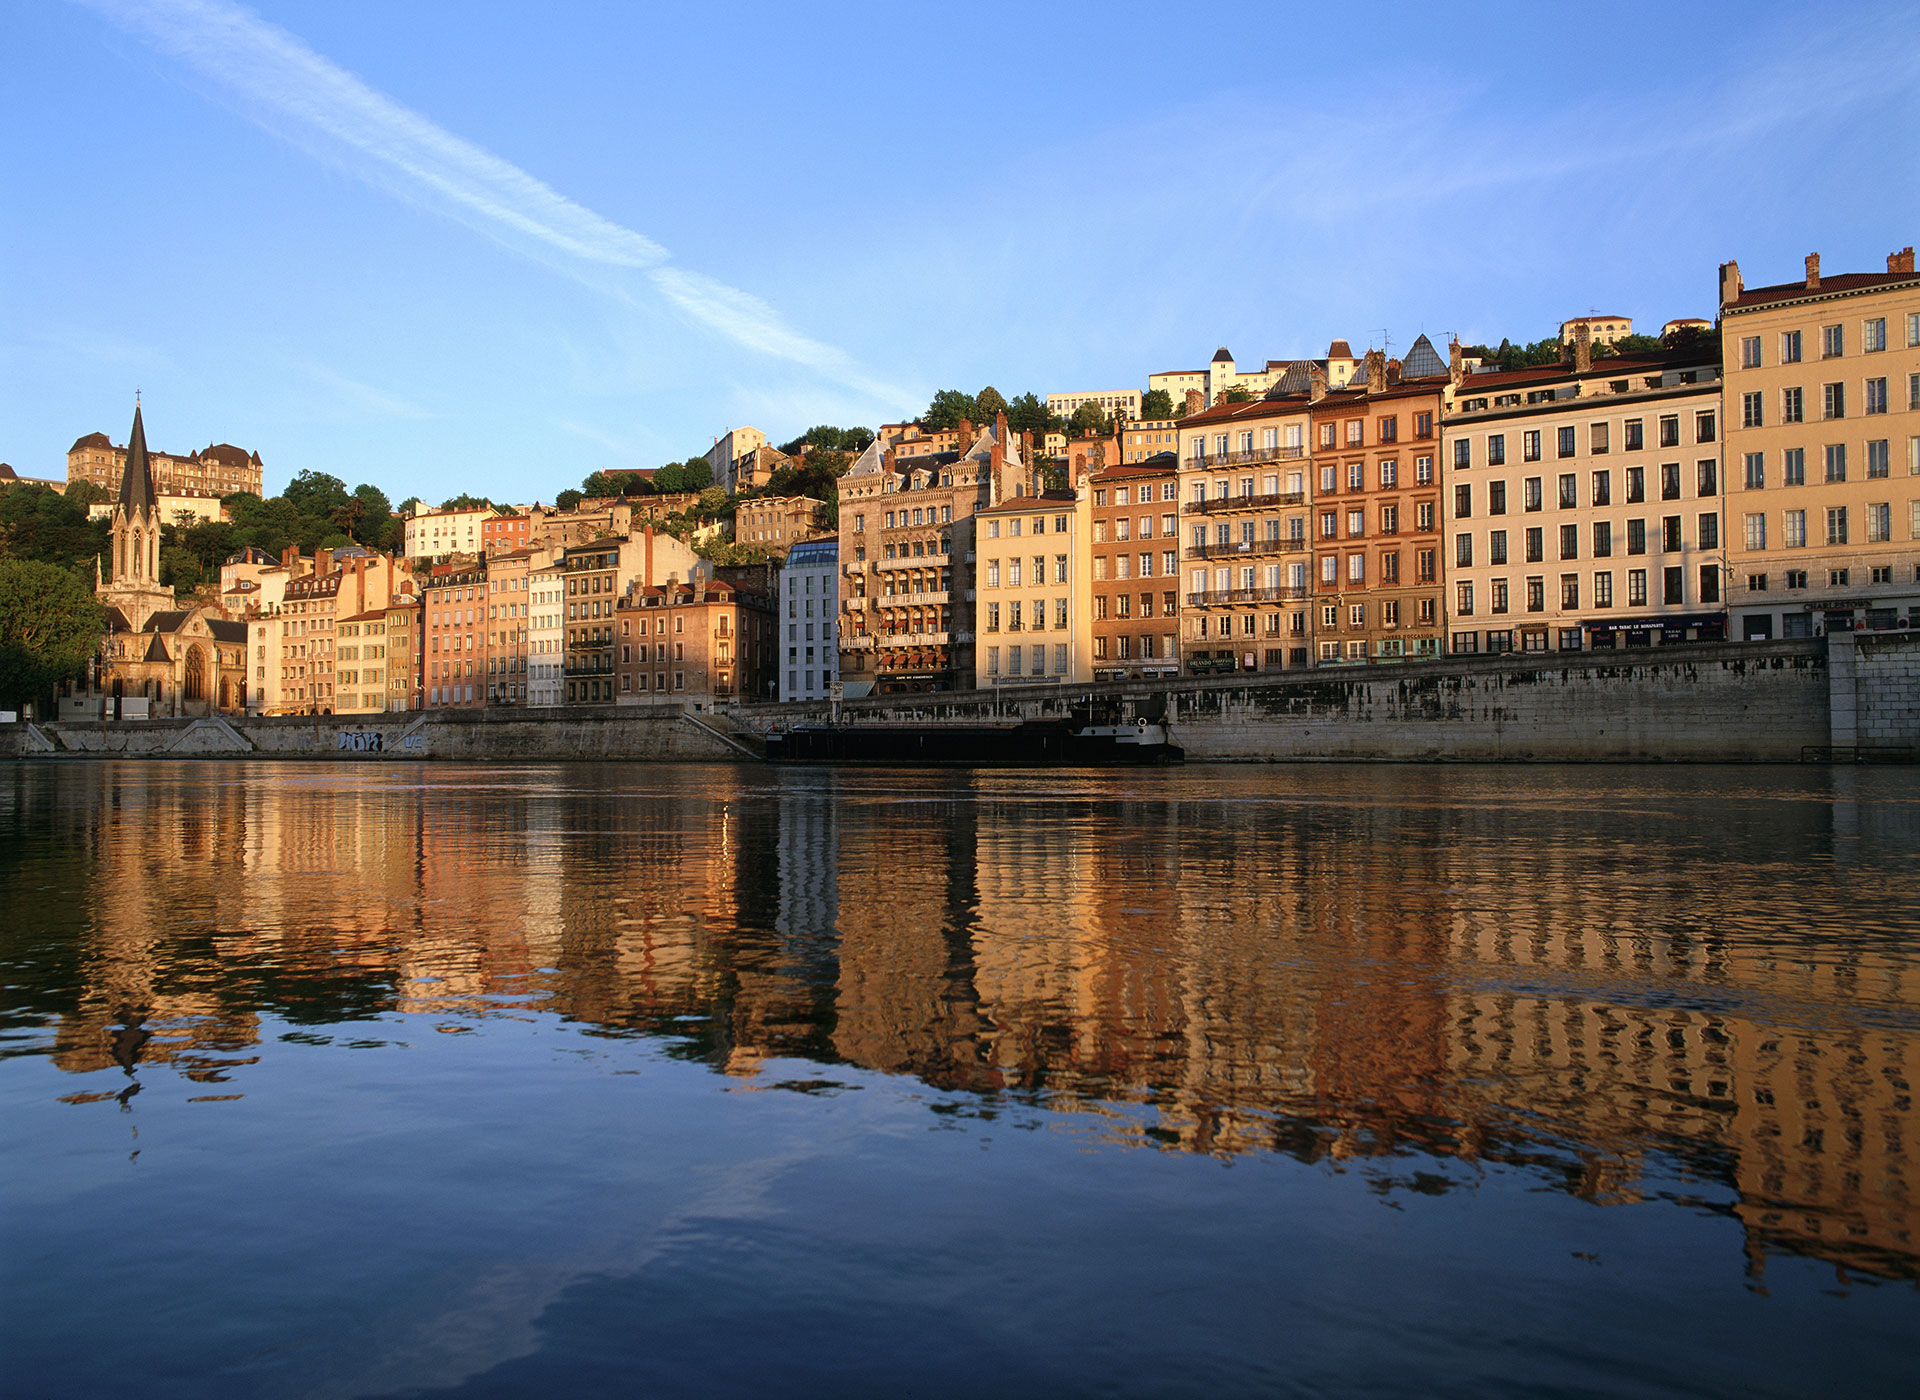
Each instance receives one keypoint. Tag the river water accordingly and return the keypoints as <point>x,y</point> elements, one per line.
<point>363,1080</point>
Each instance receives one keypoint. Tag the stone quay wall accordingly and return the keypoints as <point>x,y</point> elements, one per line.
<point>1852,695</point>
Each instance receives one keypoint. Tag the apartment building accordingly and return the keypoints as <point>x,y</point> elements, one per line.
<point>699,643</point>
<point>456,632</point>
<point>360,663</point>
<point>1149,438</point>
<point>406,642</point>
<point>438,534</point>
<point>1823,449</point>
<point>728,449</point>
<point>776,523</point>
<point>509,608</point>
<point>1243,487</point>
<point>546,632</point>
<point>594,585</point>
<point>305,630</point>
<point>1599,330</point>
<point>1031,596</point>
<point>1133,514</point>
<point>504,533</point>
<point>808,644</point>
<point>1376,511</point>
<point>1582,505</point>
<point>908,562</point>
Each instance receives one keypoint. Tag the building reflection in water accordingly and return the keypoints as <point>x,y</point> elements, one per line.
<point>1616,981</point>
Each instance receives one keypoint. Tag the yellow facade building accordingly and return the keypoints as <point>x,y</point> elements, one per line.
<point>1823,449</point>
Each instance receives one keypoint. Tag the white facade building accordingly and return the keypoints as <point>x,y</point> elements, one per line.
<point>434,534</point>
<point>546,650</point>
<point>809,641</point>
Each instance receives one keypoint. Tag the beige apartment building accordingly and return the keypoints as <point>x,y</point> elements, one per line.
<point>1823,449</point>
<point>1583,505</point>
<point>1601,330</point>
<point>1149,438</point>
<point>1031,600</point>
<point>1134,584</point>
<point>726,452</point>
<point>908,560</point>
<point>509,608</point>
<point>360,664</point>
<point>406,643</point>
<point>694,643</point>
<point>546,633</point>
<point>305,631</point>
<point>436,534</point>
<point>1243,489</point>
<point>777,523</point>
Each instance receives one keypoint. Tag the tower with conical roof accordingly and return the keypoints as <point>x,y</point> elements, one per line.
<point>135,588</point>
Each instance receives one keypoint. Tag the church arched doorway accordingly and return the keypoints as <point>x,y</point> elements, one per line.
<point>194,687</point>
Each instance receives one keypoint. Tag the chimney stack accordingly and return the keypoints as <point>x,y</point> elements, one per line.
<point>966,433</point>
<point>1901,261</point>
<point>1582,349</point>
<point>1316,383</point>
<point>1195,402</point>
<point>1813,271</point>
<point>1730,283</point>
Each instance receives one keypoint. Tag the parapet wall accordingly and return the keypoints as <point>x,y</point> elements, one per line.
<point>1783,701</point>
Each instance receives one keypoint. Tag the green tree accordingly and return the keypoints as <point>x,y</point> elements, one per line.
<point>87,493</point>
<point>1156,404</point>
<point>949,406</point>
<point>1237,394</point>
<point>987,403</point>
<point>696,474</point>
<point>566,500</point>
<point>1027,414</point>
<point>50,626</point>
<point>464,501</point>
<point>316,493</point>
<point>375,515</point>
<point>41,524</point>
<point>179,569</point>
<point>600,484</point>
<point>212,542</point>
<point>1089,420</point>
<point>670,478</point>
<point>713,500</point>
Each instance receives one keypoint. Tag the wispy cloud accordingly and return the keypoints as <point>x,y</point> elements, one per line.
<point>304,97</point>
<point>363,398</point>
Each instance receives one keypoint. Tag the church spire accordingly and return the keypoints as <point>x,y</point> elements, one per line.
<point>136,483</point>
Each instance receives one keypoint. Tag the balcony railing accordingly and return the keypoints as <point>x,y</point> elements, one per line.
<point>1243,549</point>
<point>913,639</point>
<point>1246,595</point>
<point>1246,458</point>
<point>1225,503</point>
<point>861,643</point>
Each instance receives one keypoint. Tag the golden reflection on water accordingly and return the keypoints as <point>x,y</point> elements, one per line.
<point>1573,970</point>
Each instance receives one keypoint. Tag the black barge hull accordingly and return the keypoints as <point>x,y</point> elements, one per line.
<point>983,745</point>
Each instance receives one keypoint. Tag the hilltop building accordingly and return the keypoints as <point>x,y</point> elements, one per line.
<point>216,471</point>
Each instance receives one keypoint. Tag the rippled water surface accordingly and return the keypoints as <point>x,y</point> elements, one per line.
<point>341,1080</point>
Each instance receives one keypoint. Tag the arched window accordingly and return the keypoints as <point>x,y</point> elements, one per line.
<point>195,688</point>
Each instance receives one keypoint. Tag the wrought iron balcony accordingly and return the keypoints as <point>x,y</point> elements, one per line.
<point>1246,595</point>
<point>1245,549</point>
<point>1218,504</point>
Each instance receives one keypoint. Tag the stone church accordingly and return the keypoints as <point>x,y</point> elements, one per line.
<point>183,661</point>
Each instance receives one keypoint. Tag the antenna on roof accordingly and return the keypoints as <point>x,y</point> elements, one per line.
<point>1386,340</point>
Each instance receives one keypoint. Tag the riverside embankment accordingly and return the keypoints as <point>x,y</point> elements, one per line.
<point>1853,695</point>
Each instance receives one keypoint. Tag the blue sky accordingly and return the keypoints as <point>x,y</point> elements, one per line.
<point>491,247</point>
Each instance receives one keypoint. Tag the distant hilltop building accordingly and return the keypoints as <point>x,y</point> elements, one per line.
<point>1223,374</point>
<point>8,477</point>
<point>216,471</point>
<point>1601,330</point>
<point>1118,403</point>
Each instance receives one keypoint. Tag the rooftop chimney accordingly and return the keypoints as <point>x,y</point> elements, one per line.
<point>966,434</point>
<point>1316,383</point>
<point>1813,271</point>
<point>1730,284</point>
<point>1901,261</point>
<point>1582,349</point>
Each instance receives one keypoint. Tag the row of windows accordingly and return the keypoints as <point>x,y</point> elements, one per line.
<point>1037,575</point>
<point>1834,457</point>
<point>1789,347</point>
<point>1568,495</point>
<point>1599,439</point>
<point>1038,614</point>
<point>1033,658</point>
<point>1833,402</point>
<point>1669,540</point>
<point>1838,522</point>
<point>1499,599</point>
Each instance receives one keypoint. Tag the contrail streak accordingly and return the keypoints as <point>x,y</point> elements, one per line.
<point>278,76</point>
